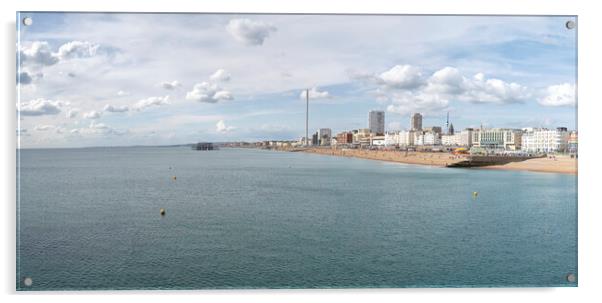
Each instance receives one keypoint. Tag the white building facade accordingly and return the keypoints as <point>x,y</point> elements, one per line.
<point>463,138</point>
<point>392,139</point>
<point>497,138</point>
<point>427,138</point>
<point>542,140</point>
<point>399,138</point>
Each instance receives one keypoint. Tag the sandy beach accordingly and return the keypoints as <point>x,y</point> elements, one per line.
<point>423,158</point>
<point>559,164</point>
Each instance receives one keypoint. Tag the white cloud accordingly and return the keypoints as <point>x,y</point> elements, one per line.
<point>43,127</point>
<point>221,127</point>
<point>72,113</point>
<point>249,32</point>
<point>220,75</point>
<point>208,93</point>
<point>123,93</point>
<point>38,53</point>
<point>409,91</point>
<point>77,49</point>
<point>404,103</point>
<point>115,109</point>
<point>170,85</point>
<point>494,91</point>
<point>92,115</point>
<point>152,101</point>
<point>402,76</point>
<point>559,95</point>
<point>96,128</point>
<point>95,125</point>
<point>447,80</point>
<point>39,107</point>
<point>315,93</point>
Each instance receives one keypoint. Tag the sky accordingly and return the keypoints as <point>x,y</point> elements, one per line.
<point>99,79</point>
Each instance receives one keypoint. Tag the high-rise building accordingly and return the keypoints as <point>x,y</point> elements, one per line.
<point>376,122</point>
<point>315,139</point>
<point>325,134</point>
<point>416,122</point>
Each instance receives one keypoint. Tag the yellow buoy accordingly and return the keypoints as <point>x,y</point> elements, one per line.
<point>162,211</point>
<point>174,178</point>
<point>475,194</point>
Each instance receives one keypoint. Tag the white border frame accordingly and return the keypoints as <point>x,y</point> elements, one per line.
<point>589,202</point>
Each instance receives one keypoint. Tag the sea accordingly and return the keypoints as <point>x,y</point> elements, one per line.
<point>89,219</point>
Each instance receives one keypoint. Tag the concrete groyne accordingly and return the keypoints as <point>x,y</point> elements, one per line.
<point>479,161</point>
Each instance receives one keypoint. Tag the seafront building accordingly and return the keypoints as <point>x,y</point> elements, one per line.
<point>463,138</point>
<point>401,138</point>
<point>325,135</point>
<point>361,136</point>
<point>572,143</point>
<point>377,141</point>
<point>428,138</point>
<point>406,138</point>
<point>433,129</point>
<point>482,140</point>
<point>344,138</point>
<point>392,139</point>
<point>450,140</point>
<point>466,137</point>
<point>376,122</point>
<point>497,138</point>
<point>543,140</point>
<point>315,139</point>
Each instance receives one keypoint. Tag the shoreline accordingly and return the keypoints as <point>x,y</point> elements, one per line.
<point>559,164</point>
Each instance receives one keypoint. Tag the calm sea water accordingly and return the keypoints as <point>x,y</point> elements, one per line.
<point>236,218</point>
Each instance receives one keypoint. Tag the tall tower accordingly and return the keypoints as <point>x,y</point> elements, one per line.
<point>416,122</point>
<point>306,117</point>
<point>447,124</point>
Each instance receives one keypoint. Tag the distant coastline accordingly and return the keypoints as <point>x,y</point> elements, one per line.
<point>557,164</point>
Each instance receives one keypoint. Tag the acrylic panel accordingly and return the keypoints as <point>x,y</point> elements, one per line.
<point>204,151</point>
